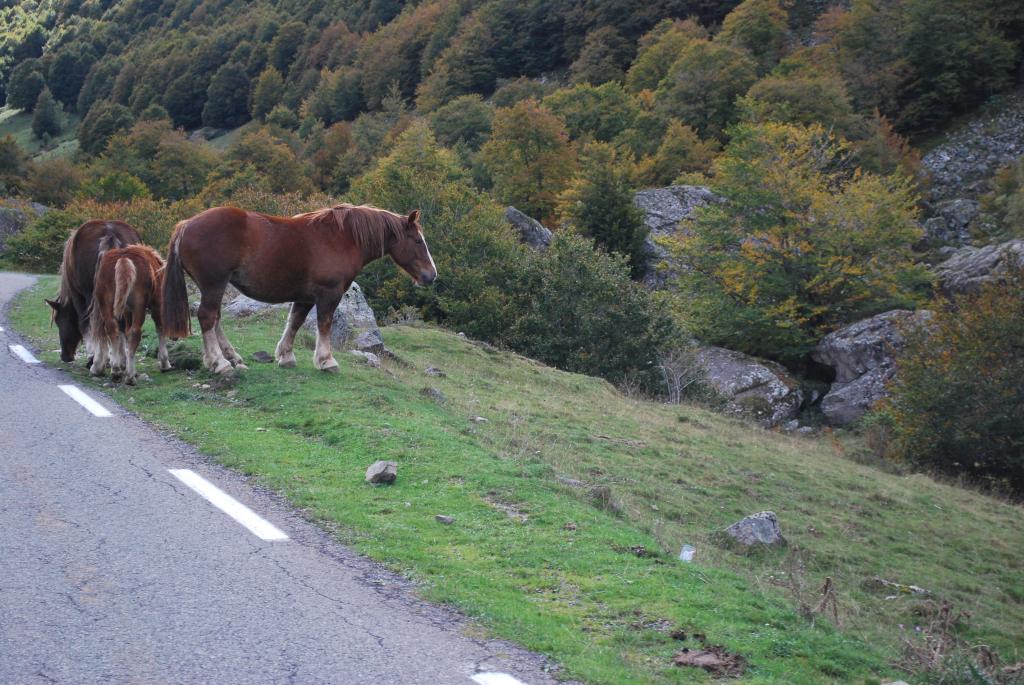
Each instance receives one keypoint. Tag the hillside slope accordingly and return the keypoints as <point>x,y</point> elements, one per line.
<point>587,575</point>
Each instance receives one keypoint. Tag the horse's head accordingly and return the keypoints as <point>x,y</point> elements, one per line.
<point>412,254</point>
<point>66,318</point>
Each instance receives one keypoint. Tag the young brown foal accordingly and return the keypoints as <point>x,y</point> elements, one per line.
<point>129,281</point>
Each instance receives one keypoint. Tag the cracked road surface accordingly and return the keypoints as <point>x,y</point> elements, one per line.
<point>113,571</point>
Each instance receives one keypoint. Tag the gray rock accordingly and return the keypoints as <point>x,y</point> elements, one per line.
<point>434,394</point>
<point>531,231</point>
<point>262,357</point>
<point>791,425</point>
<point>805,430</point>
<point>15,216</point>
<point>435,372</point>
<point>863,355</point>
<point>667,211</point>
<point>760,528</point>
<point>371,359</point>
<point>370,341</point>
<point>952,220</point>
<point>968,268</point>
<point>382,472</point>
<point>243,306</point>
<point>447,520</point>
<point>753,388</point>
<point>352,319</point>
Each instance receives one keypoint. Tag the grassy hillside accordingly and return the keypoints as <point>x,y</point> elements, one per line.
<point>590,577</point>
<point>18,124</point>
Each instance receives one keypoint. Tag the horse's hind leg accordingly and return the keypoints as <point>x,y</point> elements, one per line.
<point>229,351</point>
<point>161,350</point>
<point>283,353</point>
<point>209,315</point>
<point>100,345</point>
<point>322,357</point>
<point>132,337</point>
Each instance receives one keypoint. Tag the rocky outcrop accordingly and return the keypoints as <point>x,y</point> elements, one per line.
<point>667,211</point>
<point>355,324</point>
<point>352,319</point>
<point>961,167</point>
<point>15,215</point>
<point>969,268</point>
<point>752,388</point>
<point>863,355</point>
<point>531,231</point>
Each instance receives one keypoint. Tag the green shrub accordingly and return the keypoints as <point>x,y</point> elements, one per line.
<point>40,247</point>
<point>957,403</point>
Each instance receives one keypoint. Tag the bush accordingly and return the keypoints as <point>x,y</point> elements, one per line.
<point>957,400</point>
<point>577,309</point>
<point>40,247</point>
<point>53,182</point>
<point>799,247</point>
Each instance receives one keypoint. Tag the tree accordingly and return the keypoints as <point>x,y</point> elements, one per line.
<point>46,116</point>
<point>260,155</point>
<point>530,158</point>
<point>681,152</point>
<point>760,28</point>
<point>603,58</point>
<point>14,165</point>
<point>956,403</point>
<point>599,203</point>
<point>465,66</point>
<point>601,112</point>
<point>659,48</point>
<point>802,98</point>
<point>286,44</point>
<point>267,92</point>
<point>466,120</point>
<point>338,97</point>
<point>53,182</point>
<point>799,246</point>
<point>184,100</point>
<point>100,124</point>
<point>24,85</point>
<point>68,71</point>
<point>227,98</point>
<point>702,86</point>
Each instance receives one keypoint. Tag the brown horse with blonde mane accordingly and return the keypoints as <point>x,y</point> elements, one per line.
<point>129,281</point>
<point>308,259</point>
<point>82,252</point>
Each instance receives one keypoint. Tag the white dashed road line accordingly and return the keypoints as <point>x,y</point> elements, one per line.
<point>258,526</point>
<point>24,354</point>
<point>496,679</point>
<point>94,407</point>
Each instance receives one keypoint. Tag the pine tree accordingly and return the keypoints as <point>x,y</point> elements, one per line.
<point>46,116</point>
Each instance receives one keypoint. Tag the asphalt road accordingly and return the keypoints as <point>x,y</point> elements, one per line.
<point>112,570</point>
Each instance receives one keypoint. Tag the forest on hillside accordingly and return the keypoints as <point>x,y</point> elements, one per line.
<point>804,116</point>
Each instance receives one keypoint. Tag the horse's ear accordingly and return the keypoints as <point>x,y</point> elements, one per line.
<point>414,216</point>
<point>55,305</point>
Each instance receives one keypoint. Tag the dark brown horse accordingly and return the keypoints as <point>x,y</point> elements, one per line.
<point>308,259</point>
<point>129,282</point>
<point>78,273</point>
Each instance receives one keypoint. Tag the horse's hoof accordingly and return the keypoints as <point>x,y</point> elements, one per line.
<point>130,380</point>
<point>165,369</point>
<point>96,373</point>
<point>286,363</point>
<point>223,366</point>
<point>330,367</point>
<point>241,367</point>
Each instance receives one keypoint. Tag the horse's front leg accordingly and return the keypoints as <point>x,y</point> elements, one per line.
<point>209,315</point>
<point>284,353</point>
<point>322,357</point>
<point>229,351</point>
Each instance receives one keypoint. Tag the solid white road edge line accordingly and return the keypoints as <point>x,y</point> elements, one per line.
<point>94,407</point>
<point>24,354</point>
<point>496,679</point>
<point>229,505</point>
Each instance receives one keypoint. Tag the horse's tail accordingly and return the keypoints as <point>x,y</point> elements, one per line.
<point>125,274</point>
<point>177,323</point>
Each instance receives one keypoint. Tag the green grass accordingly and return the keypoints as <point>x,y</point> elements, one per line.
<point>564,581</point>
<point>18,124</point>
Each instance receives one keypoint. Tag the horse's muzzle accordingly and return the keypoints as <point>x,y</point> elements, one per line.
<point>427,277</point>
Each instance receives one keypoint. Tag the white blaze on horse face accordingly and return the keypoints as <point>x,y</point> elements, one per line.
<point>429,256</point>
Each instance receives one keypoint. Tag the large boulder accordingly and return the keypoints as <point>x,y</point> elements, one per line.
<point>667,211</point>
<point>354,323</point>
<point>352,319</point>
<point>968,268</point>
<point>531,231</point>
<point>863,355</point>
<point>15,215</point>
<point>752,388</point>
<point>761,528</point>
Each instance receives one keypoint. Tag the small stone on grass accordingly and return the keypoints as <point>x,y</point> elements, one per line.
<point>262,357</point>
<point>446,520</point>
<point>382,472</point>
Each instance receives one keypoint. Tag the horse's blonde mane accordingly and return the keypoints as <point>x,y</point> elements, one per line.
<point>371,228</point>
<point>67,270</point>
